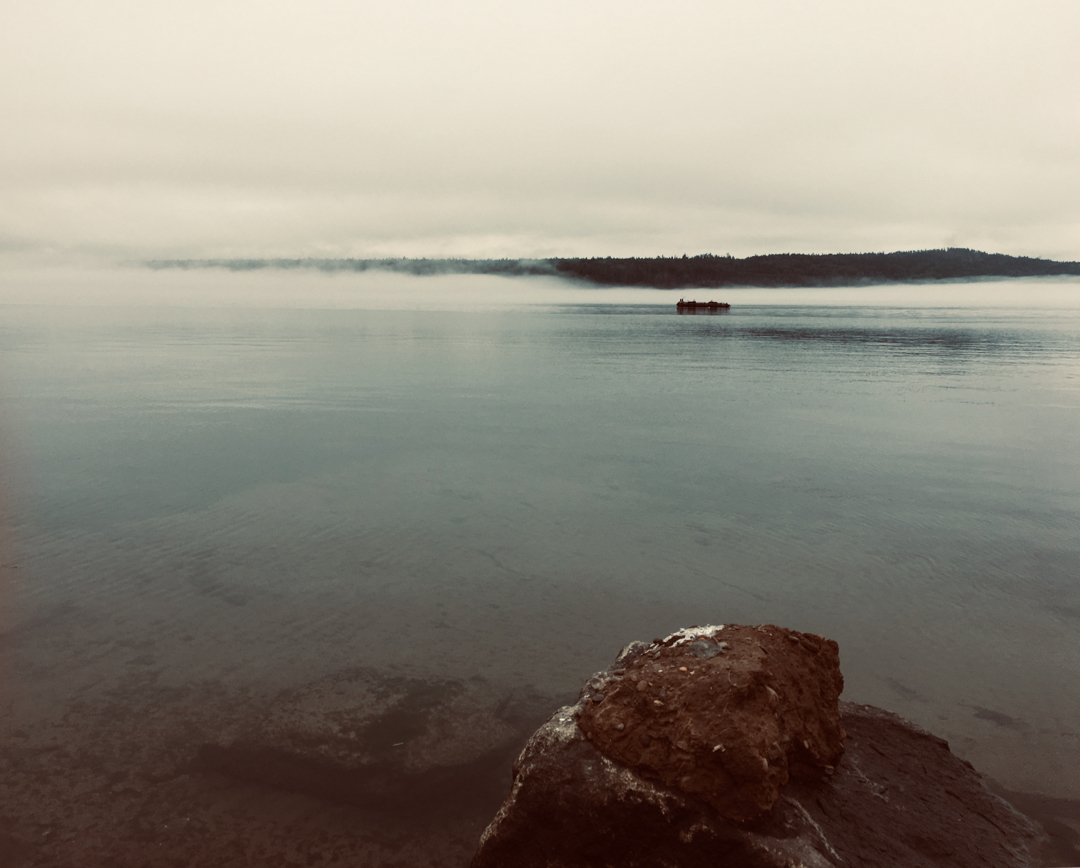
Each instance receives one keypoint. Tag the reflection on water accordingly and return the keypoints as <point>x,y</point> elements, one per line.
<point>936,341</point>
<point>214,510</point>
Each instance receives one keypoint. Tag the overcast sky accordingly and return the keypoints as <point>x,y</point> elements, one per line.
<point>209,128</point>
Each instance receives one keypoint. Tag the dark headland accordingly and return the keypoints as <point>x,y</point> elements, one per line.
<point>703,271</point>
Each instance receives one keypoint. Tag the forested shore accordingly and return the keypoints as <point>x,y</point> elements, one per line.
<point>702,271</point>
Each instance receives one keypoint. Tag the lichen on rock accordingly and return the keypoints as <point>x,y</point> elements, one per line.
<point>727,714</point>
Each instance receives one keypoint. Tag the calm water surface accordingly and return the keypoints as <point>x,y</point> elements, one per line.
<point>260,497</point>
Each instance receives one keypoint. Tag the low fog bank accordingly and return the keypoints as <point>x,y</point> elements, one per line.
<point>285,288</point>
<point>702,271</point>
<point>80,285</point>
<point>420,267</point>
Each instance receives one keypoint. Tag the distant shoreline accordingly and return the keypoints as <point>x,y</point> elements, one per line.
<point>705,271</point>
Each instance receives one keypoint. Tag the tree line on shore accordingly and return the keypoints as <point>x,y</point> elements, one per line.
<point>703,271</point>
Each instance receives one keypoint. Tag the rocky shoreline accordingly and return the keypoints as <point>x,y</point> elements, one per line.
<point>370,768</point>
<point>880,792</point>
<point>361,768</point>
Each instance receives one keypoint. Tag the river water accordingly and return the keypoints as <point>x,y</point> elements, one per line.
<point>512,480</point>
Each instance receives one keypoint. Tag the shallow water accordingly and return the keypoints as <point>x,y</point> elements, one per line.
<point>256,498</point>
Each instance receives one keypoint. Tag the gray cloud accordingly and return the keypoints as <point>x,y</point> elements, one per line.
<point>473,128</point>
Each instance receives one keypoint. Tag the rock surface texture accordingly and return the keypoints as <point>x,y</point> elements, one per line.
<point>726,714</point>
<point>786,789</point>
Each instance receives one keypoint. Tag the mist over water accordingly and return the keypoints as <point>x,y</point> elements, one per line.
<point>255,481</point>
<point>31,280</point>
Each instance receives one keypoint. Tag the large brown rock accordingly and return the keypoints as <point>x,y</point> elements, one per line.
<point>722,713</point>
<point>896,795</point>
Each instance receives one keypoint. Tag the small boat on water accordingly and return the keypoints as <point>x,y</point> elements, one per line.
<point>701,305</point>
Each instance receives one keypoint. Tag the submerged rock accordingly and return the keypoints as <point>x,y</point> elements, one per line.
<point>628,776</point>
<point>380,741</point>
